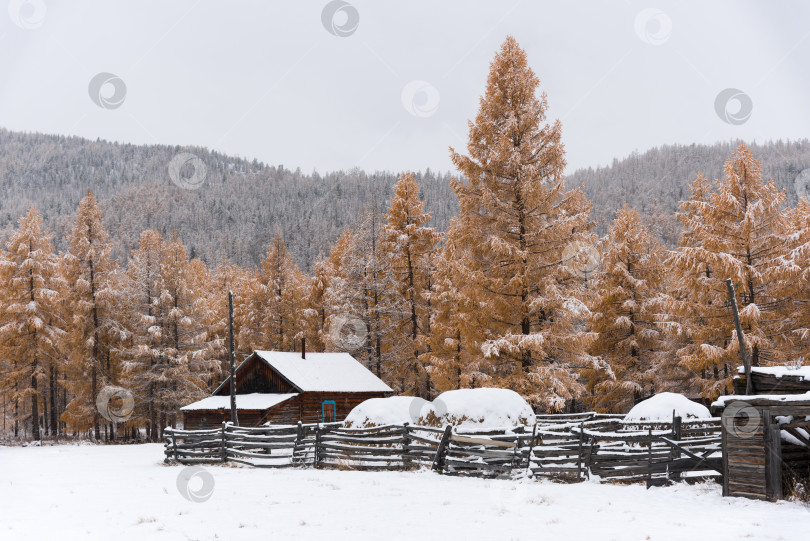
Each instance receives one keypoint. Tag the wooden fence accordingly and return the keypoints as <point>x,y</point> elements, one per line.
<point>656,453</point>
<point>567,447</point>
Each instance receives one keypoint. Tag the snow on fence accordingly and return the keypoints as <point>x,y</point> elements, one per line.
<point>569,447</point>
<point>655,452</point>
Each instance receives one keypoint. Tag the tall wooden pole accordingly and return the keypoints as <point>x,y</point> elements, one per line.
<point>231,358</point>
<point>743,353</point>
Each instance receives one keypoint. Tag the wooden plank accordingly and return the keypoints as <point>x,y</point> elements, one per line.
<point>356,449</point>
<point>317,448</point>
<point>579,454</point>
<point>460,452</point>
<point>364,458</point>
<point>362,440</point>
<point>241,452</point>
<point>796,434</point>
<point>460,464</point>
<point>223,452</point>
<point>438,462</point>
<point>257,445</point>
<point>773,458</point>
<point>649,463</point>
<point>480,441</point>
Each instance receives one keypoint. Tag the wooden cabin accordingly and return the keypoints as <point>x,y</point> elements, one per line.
<point>287,387</point>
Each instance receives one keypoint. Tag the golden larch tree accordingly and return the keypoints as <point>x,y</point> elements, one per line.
<point>737,231</point>
<point>623,314</point>
<point>91,311</point>
<point>283,299</point>
<point>32,330</point>
<point>140,348</point>
<point>447,361</point>
<point>409,243</point>
<point>170,357</point>
<point>793,284</point>
<point>515,222</point>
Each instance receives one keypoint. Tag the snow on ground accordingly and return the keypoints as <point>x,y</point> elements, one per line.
<point>125,493</point>
<point>482,408</point>
<point>660,407</point>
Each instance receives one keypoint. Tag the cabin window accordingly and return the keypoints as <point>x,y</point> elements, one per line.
<point>328,411</point>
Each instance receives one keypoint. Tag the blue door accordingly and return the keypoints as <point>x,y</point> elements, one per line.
<point>328,411</point>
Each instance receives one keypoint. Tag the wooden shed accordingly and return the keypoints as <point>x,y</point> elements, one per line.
<point>766,438</point>
<point>774,380</point>
<point>286,387</point>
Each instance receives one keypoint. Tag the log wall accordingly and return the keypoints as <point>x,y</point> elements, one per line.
<point>306,408</point>
<point>753,457</point>
<point>770,384</point>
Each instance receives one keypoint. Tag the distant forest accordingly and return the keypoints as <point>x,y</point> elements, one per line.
<point>242,203</point>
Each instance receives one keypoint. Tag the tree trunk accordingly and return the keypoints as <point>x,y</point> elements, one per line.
<point>35,404</point>
<point>45,412</point>
<point>94,394</point>
<point>53,399</point>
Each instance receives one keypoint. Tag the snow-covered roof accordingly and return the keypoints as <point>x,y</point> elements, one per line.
<point>324,372</point>
<point>761,399</point>
<point>253,401</point>
<point>803,372</point>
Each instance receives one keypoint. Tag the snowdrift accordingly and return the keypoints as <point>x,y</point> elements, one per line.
<point>660,406</point>
<point>474,409</point>
<point>394,410</point>
<point>471,409</point>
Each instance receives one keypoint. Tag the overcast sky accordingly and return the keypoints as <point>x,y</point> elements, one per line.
<point>390,85</point>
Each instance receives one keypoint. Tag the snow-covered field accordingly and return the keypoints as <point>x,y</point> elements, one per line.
<point>125,492</point>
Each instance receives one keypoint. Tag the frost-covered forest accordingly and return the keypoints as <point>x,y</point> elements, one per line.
<point>234,214</point>
<point>242,203</point>
<point>507,275</point>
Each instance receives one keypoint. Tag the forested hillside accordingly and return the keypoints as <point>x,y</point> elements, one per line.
<point>655,181</point>
<point>242,204</point>
<point>234,214</point>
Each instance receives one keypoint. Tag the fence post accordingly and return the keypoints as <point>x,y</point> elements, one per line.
<point>406,442</point>
<point>518,431</point>
<point>222,450</point>
<point>649,461</point>
<point>174,445</point>
<point>166,450</point>
<point>317,453</point>
<point>438,461</point>
<point>531,447</point>
<point>580,458</point>
<point>676,436</point>
<point>299,438</point>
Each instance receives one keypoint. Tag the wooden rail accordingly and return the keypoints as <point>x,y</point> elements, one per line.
<point>570,447</point>
<point>657,453</point>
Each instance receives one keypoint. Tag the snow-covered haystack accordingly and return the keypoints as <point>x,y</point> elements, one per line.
<point>394,410</point>
<point>473,409</point>
<point>660,406</point>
